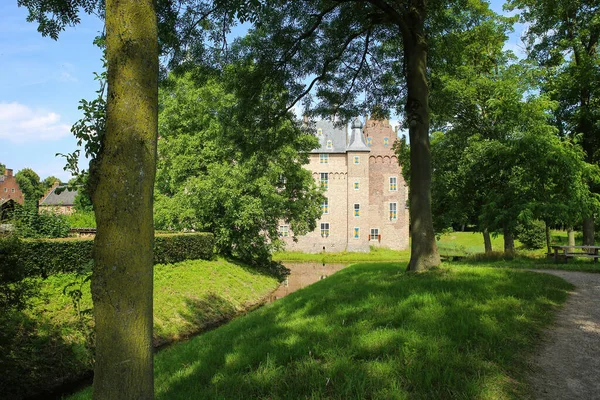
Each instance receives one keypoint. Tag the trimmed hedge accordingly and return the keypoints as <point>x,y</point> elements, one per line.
<point>48,257</point>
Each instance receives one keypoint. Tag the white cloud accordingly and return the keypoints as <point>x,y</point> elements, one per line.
<point>21,124</point>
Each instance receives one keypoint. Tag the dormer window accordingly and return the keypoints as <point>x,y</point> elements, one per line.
<point>319,132</point>
<point>329,145</point>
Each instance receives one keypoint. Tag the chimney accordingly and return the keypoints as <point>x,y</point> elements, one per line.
<point>9,172</point>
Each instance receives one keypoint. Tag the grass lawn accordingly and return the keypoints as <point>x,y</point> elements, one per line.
<point>372,331</point>
<point>48,344</point>
<point>376,254</point>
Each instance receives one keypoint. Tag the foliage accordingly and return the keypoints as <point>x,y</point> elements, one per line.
<point>370,331</point>
<point>50,181</point>
<point>31,223</point>
<point>30,185</point>
<point>2,168</point>
<point>15,286</point>
<point>50,257</point>
<point>532,234</point>
<point>47,345</point>
<point>82,219</point>
<point>221,172</point>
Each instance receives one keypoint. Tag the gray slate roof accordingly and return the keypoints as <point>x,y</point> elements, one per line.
<point>66,198</point>
<point>338,138</point>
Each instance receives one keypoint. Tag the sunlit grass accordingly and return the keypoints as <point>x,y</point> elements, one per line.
<point>48,345</point>
<point>372,331</point>
<point>376,254</point>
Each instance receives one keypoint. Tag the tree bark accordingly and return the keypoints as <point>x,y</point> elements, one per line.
<point>588,231</point>
<point>570,236</point>
<point>509,242</point>
<point>424,252</point>
<point>548,237</point>
<point>123,272</point>
<point>487,241</point>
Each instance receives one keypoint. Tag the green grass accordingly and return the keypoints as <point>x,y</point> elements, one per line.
<point>46,344</point>
<point>376,254</point>
<point>372,331</point>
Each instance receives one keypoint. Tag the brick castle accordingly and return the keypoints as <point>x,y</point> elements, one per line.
<point>366,197</point>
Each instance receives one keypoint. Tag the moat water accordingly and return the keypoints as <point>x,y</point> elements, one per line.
<point>302,275</point>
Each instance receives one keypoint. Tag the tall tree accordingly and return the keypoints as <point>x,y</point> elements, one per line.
<point>564,37</point>
<point>122,191</point>
<point>207,180</point>
<point>30,185</point>
<point>366,55</point>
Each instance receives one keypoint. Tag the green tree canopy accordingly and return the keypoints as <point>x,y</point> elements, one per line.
<point>29,182</point>
<point>207,180</point>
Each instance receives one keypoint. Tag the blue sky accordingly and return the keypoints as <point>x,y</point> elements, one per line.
<point>42,81</point>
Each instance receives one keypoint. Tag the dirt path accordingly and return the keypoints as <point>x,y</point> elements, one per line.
<point>568,364</point>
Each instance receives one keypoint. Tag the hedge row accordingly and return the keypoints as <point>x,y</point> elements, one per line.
<point>48,257</point>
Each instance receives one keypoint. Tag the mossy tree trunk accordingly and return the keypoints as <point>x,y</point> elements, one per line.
<point>424,253</point>
<point>509,242</point>
<point>487,241</point>
<point>570,236</point>
<point>588,231</point>
<point>122,278</point>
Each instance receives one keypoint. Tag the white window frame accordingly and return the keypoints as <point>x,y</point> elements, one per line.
<point>329,144</point>
<point>395,178</point>
<point>324,182</point>
<point>320,132</point>
<point>325,229</point>
<point>374,238</point>
<point>284,230</point>
<point>355,209</point>
<point>325,206</point>
<point>324,158</point>
<point>393,211</point>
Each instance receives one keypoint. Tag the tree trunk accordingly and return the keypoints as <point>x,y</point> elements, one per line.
<point>487,241</point>
<point>548,237</point>
<point>123,272</point>
<point>570,236</point>
<point>509,242</point>
<point>588,231</point>
<point>424,252</point>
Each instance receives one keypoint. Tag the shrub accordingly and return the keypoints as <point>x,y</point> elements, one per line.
<point>15,288</point>
<point>532,235</point>
<point>30,223</point>
<point>82,219</point>
<point>48,257</point>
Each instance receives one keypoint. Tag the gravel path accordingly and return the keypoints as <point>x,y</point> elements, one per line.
<point>568,364</point>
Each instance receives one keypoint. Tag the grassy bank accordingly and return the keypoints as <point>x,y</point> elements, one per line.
<point>373,331</point>
<point>50,343</point>
<point>375,255</point>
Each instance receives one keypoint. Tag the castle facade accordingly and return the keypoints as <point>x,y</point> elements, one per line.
<point>366,197</point>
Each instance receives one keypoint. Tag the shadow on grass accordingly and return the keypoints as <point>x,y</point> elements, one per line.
<point>372,331</point>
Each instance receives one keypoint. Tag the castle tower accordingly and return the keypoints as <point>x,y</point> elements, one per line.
<point>358,189</point>
<point>388,194</point>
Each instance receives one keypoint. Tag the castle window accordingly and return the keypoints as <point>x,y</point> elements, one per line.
<point>12,190</point>
<point>374,234</point>
<point>329,145</point>
<point>393,211</point>
<point>325,206</point>
<point>324,158</point>
<point>356,160</point>
<point>324,180</point>
<point>356,233</point>
<point>386,142</point>
<point>319,132</point>
<point>357,210</point>
<point>324,229</point>
<point>393,183</point>
<point>284,230</point>
<point>356,185</point>
<point>5,190</point>
<point>369,142</point>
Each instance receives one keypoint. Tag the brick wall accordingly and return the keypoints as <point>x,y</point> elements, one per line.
<point>9,188</point>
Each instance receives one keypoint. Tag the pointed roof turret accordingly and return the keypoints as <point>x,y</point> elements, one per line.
<point>357,139</point>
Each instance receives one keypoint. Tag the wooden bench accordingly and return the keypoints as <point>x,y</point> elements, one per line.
<point>571,252</point>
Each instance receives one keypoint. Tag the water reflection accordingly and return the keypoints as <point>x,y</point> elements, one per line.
<point>304,274</point>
